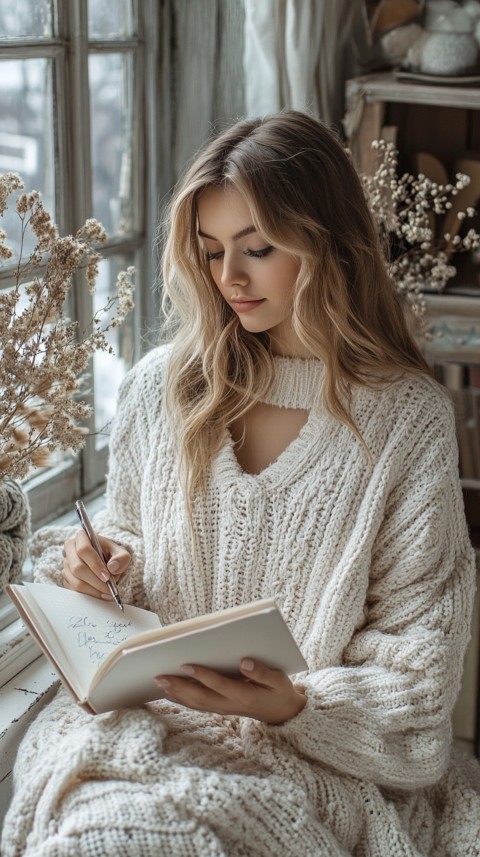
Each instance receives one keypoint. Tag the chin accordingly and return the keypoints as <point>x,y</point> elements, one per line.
<point>253,327</point>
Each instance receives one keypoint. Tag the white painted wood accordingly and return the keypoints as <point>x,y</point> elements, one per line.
<point>439,305</point>
<point>7,611</point>
<point>383,86</point>
<point>17,650</point>
<point>454,321</point>
<point>20,700</point>
<point>6,790</point>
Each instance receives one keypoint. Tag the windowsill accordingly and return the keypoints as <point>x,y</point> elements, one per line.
<point>18,649</point>
<point>20,700</point>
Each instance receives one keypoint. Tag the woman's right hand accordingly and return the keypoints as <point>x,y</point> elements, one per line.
<point>83,570</point>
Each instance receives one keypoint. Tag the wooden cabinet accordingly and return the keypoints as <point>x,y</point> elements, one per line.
<point>443,120</point>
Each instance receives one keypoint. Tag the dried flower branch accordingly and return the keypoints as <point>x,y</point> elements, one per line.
<point>402,206</point>
<point>43,359</point>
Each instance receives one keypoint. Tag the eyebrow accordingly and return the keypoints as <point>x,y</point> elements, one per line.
<point>247,231</point>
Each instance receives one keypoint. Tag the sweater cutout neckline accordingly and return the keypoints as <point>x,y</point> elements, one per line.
<point>297,384</point>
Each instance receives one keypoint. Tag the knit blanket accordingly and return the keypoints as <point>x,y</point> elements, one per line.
<point>14,531</point>
<point>162,780</point>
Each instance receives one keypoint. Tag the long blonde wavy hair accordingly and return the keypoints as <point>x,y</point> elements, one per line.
<point>306,198</point>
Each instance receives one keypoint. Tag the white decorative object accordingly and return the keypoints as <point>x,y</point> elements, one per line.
<point>447,16</point>
<point>472,8</point>
<point>397,42</point>
<point>448,53</point>
<point>447,44</point>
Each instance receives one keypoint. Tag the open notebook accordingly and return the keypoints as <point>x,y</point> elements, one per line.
<point>108,659</point>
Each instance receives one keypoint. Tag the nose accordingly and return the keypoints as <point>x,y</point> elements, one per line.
<point>233,272</point>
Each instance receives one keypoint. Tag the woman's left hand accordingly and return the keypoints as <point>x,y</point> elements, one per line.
<point>263,693</point>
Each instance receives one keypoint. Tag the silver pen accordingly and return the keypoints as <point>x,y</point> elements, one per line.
<point>88,529</point>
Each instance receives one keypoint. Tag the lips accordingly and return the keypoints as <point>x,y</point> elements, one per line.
<point>245,304</point>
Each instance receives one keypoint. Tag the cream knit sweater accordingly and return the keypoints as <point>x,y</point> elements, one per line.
<point>371,564</point>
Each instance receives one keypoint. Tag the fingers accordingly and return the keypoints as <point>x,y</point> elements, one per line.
<point>262,675</point>
<point>84,581</point>
<point>207,690</point>
<point>258,675</point>
<point>118,558</point>
<point>267,695</point>
<point>84,571</point>
<point>192,694</point>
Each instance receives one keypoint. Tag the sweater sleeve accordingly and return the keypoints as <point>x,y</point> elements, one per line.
<point>384,713</point>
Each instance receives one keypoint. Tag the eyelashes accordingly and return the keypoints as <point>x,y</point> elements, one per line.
<point>211,256</point>
<point>259,254</point>
<point>255,254</point>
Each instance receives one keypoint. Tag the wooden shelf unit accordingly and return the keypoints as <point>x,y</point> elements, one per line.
<point>445,121</point>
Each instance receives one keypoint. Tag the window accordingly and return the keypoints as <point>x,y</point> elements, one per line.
<point>73,94</point>
<point>78,93</point>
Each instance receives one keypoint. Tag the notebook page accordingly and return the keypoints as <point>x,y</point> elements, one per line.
<point>86,628</point>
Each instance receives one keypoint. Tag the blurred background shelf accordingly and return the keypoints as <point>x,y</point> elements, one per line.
<point>444,121</point>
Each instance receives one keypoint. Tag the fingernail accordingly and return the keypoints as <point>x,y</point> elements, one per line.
<point>247,664</point>
<point>162,682</point>
<point>104,575</point>
<point>113,565</point>
<point>188,669</point>
<point>106,596</point>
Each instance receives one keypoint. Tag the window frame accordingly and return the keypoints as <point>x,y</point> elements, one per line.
<point>54,490</point>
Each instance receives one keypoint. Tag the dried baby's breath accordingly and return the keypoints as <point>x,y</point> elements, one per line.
<point>43,359</point>
<point>416,257</point>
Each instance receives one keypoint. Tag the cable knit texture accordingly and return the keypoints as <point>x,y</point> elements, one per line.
<point>14,531</point>
<point>371,564</point>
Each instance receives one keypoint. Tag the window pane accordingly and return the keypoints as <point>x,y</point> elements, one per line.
<point>110,18</point>
<point>25,19</point>
<point>110,78</point>
<point>26,137</point>
<point>109,369</point>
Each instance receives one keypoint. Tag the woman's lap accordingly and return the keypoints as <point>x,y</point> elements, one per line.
<point>119,784</point>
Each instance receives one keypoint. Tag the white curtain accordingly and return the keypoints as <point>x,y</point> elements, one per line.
<point>299,53</point>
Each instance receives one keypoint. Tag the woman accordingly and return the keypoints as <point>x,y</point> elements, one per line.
<point>289,442</point>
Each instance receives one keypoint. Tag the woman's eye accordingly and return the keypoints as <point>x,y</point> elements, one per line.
<point>256,254</point>
<point>211,256</point>
<point>259,254</point>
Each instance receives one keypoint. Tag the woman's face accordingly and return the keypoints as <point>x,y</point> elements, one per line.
<point>256,279</point>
